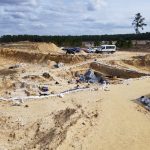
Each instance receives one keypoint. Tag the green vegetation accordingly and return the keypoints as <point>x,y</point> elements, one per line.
<point>124,43</point>
<point>123,40</point>
<point>138,23</point>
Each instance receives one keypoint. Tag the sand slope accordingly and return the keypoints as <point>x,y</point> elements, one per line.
<point>33,47</point>
<point>122,124</point>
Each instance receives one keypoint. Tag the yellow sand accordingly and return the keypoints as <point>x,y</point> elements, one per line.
<point>102,120</point>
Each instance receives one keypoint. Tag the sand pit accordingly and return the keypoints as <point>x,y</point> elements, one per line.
<point>75,115</point>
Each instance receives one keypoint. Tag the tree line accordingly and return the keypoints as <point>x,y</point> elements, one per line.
<point>122,39</point>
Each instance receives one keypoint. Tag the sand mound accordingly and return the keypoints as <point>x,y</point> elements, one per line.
<point>33,47</point>
<point>147,59</point>
<point>35,57</point>
<point>48,48</point>
<point>142,62</point>
<point>83,52</point>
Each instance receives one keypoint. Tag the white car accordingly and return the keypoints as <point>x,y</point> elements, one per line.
<point>106,49</point>
<point>90,50</point>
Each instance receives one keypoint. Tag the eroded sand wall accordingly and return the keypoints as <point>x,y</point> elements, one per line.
<point>40,57</point>
<point>113,71</point>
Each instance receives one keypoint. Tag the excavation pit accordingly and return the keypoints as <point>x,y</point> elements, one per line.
<point>118,72</point>
<point>110,73</point>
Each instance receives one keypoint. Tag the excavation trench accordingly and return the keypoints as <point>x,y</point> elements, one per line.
<point>27,86</point>
<point>109,70</point>
<point>38,57</point>
<point>110,73</point>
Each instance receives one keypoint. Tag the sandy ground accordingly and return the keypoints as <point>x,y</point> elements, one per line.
<point>92,119</point>
<point>121,123</point>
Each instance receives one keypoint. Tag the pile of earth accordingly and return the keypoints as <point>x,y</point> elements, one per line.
<point>142,62</point>
<point>41,57</point>
<point>48,48</point>
<point>33,47</point>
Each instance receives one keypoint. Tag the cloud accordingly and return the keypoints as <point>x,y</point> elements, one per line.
<point>18,15</point>
<point>96,4</point>
<point>64,17</point>
<point>19,2</point>
<point>39,25</point>
<point>88,19</point>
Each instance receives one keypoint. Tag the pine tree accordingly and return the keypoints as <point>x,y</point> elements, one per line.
<point>138,23</point>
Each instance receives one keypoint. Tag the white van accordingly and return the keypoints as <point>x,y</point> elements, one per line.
<point>106,49</point>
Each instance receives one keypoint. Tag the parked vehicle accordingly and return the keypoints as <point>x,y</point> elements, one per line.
<point>69,51</point>
<point>90,50</point>
<point>77,49</point>
<point>74,49</point>
<point>106,49</point>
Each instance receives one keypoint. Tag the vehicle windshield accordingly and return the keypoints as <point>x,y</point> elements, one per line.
<point>102,47</point>
<point>110,47</point>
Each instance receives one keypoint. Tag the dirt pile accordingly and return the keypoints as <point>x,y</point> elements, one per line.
<point>142,62</point>
<point>48,48</point>
<point>41,52</point>
<point>33,47</point>
<point>40,57</point>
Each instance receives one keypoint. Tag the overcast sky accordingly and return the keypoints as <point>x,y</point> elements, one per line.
<point>71,17</point>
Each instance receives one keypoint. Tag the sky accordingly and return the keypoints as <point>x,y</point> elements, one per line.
<point>71,17</point>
